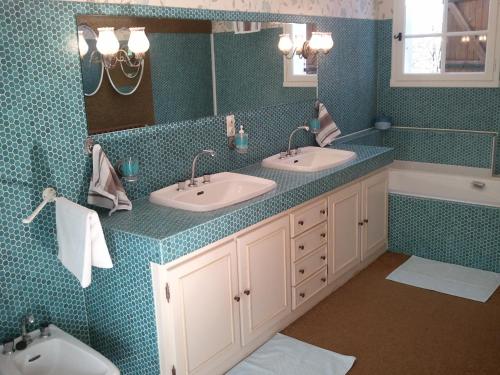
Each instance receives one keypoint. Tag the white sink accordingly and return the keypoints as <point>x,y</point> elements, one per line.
<point>225,189</point>
<point>58,354</point>
<point>310,159</point>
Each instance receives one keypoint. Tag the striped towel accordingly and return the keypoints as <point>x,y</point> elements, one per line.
<point>106,189</point>
<point>328,128</point>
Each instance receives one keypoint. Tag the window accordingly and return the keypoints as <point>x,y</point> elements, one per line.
<point>446,43</point>
<point>300,72</point>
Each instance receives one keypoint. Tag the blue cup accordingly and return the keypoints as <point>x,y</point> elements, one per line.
<point>129,167</point>
<point>314,125</point>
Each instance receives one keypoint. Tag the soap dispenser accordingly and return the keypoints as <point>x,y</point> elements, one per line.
<point>241,141</point>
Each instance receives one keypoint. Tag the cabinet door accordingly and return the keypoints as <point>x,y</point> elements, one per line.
<point>374,214</point>
<point>206,313</point>
<point>344,221</point>
<point>264,275</point>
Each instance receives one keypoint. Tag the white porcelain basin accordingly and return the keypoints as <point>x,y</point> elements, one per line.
<point>310,159</point>
<point>58,354</point>
<point>225,189</point>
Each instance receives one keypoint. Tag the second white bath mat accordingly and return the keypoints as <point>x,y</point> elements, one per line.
<point>465,282</point>
<point>283,355</point>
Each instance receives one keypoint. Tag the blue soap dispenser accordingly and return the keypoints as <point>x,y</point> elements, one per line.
<point>241,141</point>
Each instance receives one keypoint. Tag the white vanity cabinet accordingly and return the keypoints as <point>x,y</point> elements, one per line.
<point>264,278</point>
<point>215,303</point>
<point>357,224</point>
<point>220,303</point>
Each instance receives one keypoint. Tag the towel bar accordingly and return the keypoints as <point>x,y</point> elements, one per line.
<point>48,195</point>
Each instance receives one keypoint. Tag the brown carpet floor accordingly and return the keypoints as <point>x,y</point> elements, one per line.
<point>392,328</point>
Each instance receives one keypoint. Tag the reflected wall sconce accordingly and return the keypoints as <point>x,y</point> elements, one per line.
<point>320,43</point>
<point>127,50</point>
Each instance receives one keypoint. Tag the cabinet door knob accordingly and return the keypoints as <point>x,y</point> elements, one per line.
<point>360,223</point>
<point>302,271</point>
<point>237,299</point>
<point>301,247</point>
<point>322,212</point>
<point>366,221</point>
<point>323,235</point>
<point>323,279</point>
<point>247,292</point>
<point>301,222</point>
<point>323,257</point>
<point>302,295</point>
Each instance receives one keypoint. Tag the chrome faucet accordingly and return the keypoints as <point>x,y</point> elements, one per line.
<point>192,181</point>
<point>28,319</point>
<point>303,127</point>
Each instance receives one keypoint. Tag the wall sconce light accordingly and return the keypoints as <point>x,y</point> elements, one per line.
<point>83,46</point>
<point>109,47</point>
<point>320,42</point>
<point>123,48</point>
<point>465,39</point>
<point>482,38</point>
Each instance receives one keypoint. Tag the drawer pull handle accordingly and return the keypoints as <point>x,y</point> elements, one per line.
<point>301,222</point>
<point>360,223</point>
<point>323,257</point>
<point>302,295</point>
<point>322,212</point>
<point>323,235</point>
<point>247,292</point>
<point>301,247</point>
<point>237,299</point>
<point>323,279</point>
<point>366,221</point>
<point>302,271</point>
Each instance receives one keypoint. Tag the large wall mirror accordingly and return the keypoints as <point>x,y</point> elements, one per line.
<point>144,71</point>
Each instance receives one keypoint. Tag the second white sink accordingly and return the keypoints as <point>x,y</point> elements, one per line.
<point>224,189</point>
<point>310,159</point>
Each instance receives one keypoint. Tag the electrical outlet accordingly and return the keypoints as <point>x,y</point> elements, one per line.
<point>230,125</point>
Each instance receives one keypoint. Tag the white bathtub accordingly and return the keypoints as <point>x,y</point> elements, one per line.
<point>459,184</point>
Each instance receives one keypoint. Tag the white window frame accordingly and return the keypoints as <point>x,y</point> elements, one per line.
<point>295,80</point>
<point>489,78</point>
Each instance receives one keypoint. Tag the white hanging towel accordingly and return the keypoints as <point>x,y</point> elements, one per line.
<point>328,128</point>
<point>81,240</point>
<point>105,188</point>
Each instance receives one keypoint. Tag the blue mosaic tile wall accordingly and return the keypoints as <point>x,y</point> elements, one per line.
<point>452,108</point>
<point>446,231</point>
<point>249,73</point>
<point>175,57</point>
<point>42,105</point>
<point>466,149</point>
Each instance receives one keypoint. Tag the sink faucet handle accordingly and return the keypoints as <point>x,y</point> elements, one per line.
<point>8,347</point>
<point>44,330</point>
<point>206,178</point>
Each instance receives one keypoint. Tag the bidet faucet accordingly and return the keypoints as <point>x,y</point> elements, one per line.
<point>212,153</point>
<point>303,127</point>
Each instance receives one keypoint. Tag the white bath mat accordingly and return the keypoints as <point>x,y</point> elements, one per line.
<point>459,281</point>
<point>283,355</point>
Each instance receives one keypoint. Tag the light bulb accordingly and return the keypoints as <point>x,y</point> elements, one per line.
<point>482,38</point>
<point>316,41</point>
<point>285,44</point>
<point>327,42</point>
<point>107,43</point>
<point>83,47</point>
<point>465,39</point>
<point>138,42</point>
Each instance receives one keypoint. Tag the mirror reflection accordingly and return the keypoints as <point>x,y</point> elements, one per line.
<point>145,71</point>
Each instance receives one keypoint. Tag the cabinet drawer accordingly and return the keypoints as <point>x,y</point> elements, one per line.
<point>308,217</point>
<point>309,241</point>
<point>309,288</point>
<point>305,267</point>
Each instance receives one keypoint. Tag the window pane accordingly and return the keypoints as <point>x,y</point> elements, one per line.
<point>423,55</point>
<point>468,15</point>
<point>424,16</point>
<point>466,54</point>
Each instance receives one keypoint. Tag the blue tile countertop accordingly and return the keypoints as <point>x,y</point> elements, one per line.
<point>177,232</point>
